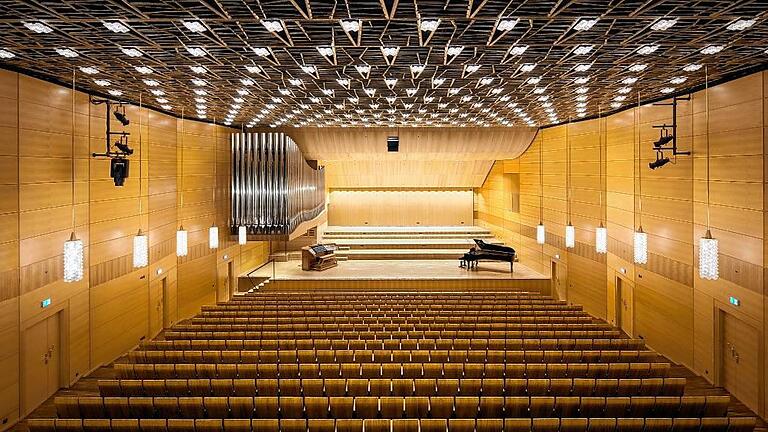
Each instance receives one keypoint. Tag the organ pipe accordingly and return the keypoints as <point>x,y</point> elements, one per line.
<point>273,187</point>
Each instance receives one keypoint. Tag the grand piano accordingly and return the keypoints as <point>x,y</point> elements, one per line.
<point>489,252</point>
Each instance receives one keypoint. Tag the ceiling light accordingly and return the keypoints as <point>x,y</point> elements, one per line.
<point>712,49</point>
<point>411,91</point>
<point>408,105</point>
<point>417,69</point>
<point>350,26</point>
<point>582,90</point>
<point>151,83</point>
<point>38,27</point>
<point>615,105</point>
<point>581,80</point>
<point>647,49</point>
<point>158,92</point>
<point>638,67</point>
<point>629,80</point>
<point>196,51</point>
<point>115,26</point>
<point>741,24</point>
<point>533,80</point>
<point>261,51</point>
<point>453,91</point>
<point>314,100</point>
<point>200,92</point>
<point>166,107</point>
<point>391,99</point>
<point>620,98</point>
<point>678,80</point>
<point>284,92</point>
<point>295,82</point>
<point>246,81</point>
<point>582,67</point>
<point>466,98</point>
<point>363,69</point>
<point>485,81</point>
<point>517,50</point>
<point>455,50</point>
<point>274,26</point>
<point>624,90</point>
<point>527,67</point>
<point>67,52</point>
<point>582,49</point>
<point>370,92</point>
<point>428,25</point>
<point>389,51</point>
<point>161,100</point>
<point>194,26</point>
<point>102,82</point>
<point>242,92</point>
<point>325,51</point>
<point>90,70</point>
<point>327,92</point>
<point>581,98</point>
<point>132,52</point>
<point>428,99</point>
<point>584,24</point>
<point>666,90</point>
<point>390,82</point>
<point>693,67</point>
<point>5,54</point>
<point>507,24</point>
<point>115,92</point>
<point>663,24</point>
<point>143,69</point>
<point>539,90</point>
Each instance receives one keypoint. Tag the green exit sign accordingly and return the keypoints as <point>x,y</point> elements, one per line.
<point>45,303</point>
<point>734,301</point>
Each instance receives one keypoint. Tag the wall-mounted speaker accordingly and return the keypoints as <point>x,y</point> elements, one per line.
<point>393,144</point>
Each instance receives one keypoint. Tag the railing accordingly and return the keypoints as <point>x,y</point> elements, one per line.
<point>273,187</point>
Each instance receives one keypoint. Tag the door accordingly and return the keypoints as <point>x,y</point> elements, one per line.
<point>157,306</point>
<point>624,303</point>
<point>740,363</point>
<point>166,312</point>
<point>559,288</point>
<point>231,278</point>
<point>41,362</point>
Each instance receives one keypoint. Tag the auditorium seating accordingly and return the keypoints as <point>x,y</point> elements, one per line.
<point>431,362</point>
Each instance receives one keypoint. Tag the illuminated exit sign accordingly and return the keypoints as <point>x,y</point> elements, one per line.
<point>734,301</point>
<point>45,303</point>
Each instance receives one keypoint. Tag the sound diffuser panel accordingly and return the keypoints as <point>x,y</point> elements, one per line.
<point>273,187</point>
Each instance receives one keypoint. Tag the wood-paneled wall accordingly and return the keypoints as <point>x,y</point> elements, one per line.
<point>399,207</point>
<point>675,311</point>
<point>114,306</point>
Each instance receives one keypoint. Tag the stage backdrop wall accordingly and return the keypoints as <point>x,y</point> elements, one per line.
<point>115,306</point>
<point>664,301</point>
<point>400,207</point>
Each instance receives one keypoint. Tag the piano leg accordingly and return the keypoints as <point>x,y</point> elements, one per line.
<point>512,266</point>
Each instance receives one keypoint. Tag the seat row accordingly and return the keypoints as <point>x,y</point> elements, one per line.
<point>394,308</point>
<point>396,344</point>
<point>709,424</point>
<point>393,370</point>
<point>410,314</point>
<point>398,335</point>
<point>391,356</point>
<point>393,328</point>
<point>371,407</point>
<point>396,387</point>
<point>349,319</point>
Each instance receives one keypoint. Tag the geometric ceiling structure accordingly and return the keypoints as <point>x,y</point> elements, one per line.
<point>384,62</point>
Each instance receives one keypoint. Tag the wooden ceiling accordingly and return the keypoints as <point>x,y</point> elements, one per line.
<point>268,50</point>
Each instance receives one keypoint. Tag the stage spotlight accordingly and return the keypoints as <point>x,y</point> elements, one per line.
<point>658,163</point>
<point>118,170</point>
<point>663,140</point>
<point>124,148</point>
<point>122,118</point>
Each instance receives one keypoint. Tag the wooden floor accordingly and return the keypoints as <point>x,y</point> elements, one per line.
<point>405,270</point>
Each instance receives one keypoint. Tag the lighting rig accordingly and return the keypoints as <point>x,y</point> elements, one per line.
<point>668,136</point>
<point>117,149</point>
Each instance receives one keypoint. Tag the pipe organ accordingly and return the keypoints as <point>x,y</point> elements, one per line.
<point>273,187</point>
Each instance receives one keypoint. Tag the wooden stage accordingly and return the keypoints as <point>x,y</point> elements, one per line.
<point>403,275</point>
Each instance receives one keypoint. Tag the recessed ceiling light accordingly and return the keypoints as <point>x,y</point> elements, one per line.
<point>582,67</point>
<point>242,92</point>
<point>158,92</point>
<point>198,69</point>
<point>533,80</point>
<point>507,24</point>
<point>116,26</point>
<point>741,24</point>
<point>363,68</point>
<point>151,83</point>
<point>199,82</point>
<point>389,51</point>
<point>196,51</point>
<point>584,24</point>
<point>647,49</point>
<point>453,91</point>
<point>454,50</point>
<point>131,52</point>
<point>325,51</point>
<point>639,67</point>
<point>350,26</point>
<point>166,107</point>
<point>624,90</point>
<point>143,69</point>
<point>344,82</point>
<point>620,98</point>
<point>428,25</point>
<point>411,91</point>
<point>200,92</point>
<point>539,90</point>
<point>161,100</point>
<point>309,69</point>
<point>38,27</point>
<point>663,24</point>
<point>274,26</point>
<point>5,54</point>
<point>391,99</point>
<point>246,81</point>
<point>417,69</point>
<point>666,90</point>
<point>517,50</point>
<point>582,90</point>
<point>629,80</point>
<point>295,82</point>
<point>194,26</point>
<point>712,49</point>
<point>90,70</point>
<point>261,51</point>
<point>678,80</point>
<point>102,82</point>
<point>581,98</point>
<point>485,81</point>
<point>527,67</point>
<point>693,67</point>
<point>115,92</point>
<point>67,52</point>
<point>582,49</point>
<point>615,105</point>
<point>581,80</point>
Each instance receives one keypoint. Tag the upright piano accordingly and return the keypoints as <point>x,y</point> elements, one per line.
<point>489,252</point>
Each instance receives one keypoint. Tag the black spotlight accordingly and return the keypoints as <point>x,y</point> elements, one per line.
<point>124,148</point>
<point>118,170</point>
<point>663,140</point>
<point>658,163</point>
<point>122,118</point>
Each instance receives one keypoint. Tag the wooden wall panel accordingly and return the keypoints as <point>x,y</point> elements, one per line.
<point>674,310</point>
<point>400,207</point>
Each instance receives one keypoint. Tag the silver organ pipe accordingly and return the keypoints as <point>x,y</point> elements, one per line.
<point>273,187</point>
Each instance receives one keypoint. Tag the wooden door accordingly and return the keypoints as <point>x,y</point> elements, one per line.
<point>624,306</point>
<point>41,360</point>
<point>740,360</point>
<point>156,307</point>
<point>231,279</point>
<point>222,280</point>
<point>559,287</point>
<point>166,303</point>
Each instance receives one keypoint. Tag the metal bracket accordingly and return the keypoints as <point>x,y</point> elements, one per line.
<point>670,145</point>
<point>123,136</point>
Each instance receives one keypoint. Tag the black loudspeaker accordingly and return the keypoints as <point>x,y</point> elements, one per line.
<point>118,170</point>
<point>393,144</point>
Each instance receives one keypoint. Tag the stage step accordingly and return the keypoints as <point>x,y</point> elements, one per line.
<point>401,254</point>
<point>404,232</point>
<point>462,244</point>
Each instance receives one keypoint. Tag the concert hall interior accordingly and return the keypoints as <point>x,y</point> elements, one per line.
<point>384,215</point>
